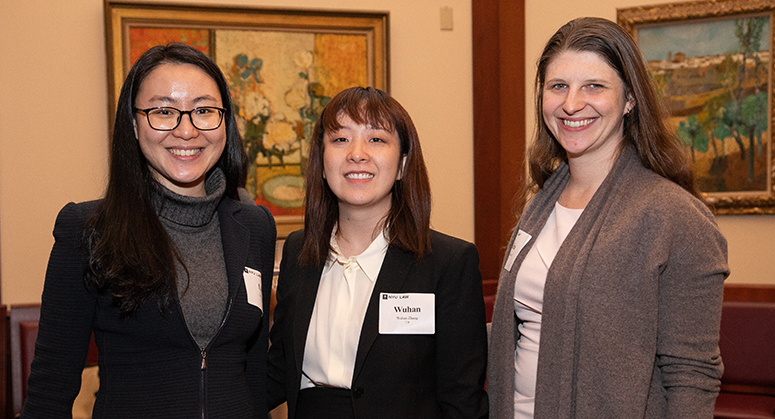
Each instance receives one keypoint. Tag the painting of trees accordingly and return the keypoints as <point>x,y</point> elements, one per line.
<point>716,87</point>
<point>711,61</point>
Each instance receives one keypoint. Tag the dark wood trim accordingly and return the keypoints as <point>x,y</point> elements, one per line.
<point>749,293</point>
<point>498,30</point>
<point>732,292</point>
<point>747,389</point>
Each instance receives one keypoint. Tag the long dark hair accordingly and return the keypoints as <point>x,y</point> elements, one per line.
<point>130,253</point>
<point>644,126</point>
<point>408,220</point>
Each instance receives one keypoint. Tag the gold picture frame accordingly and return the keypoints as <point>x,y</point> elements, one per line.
<point>282,66</point>
<point>719,95</point>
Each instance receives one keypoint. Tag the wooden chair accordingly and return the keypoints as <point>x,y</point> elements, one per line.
<point>5,374</point>
<point>748,351</point>
<point>23,325</point>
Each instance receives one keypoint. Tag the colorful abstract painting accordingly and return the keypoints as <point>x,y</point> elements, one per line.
<point>282,67</point>
<point>141,38</point>
<point>280,81</point>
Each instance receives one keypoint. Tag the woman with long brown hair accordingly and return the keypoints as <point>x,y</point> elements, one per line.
<point>609,299</point>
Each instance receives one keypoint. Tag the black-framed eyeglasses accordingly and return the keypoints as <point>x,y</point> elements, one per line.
<point>165,118</point>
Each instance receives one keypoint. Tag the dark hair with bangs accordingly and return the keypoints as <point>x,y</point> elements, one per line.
<point>408,221</point>
<point>130,253</point>
<point>644,126</point>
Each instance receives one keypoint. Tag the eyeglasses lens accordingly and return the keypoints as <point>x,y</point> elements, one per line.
<point>168,118</point>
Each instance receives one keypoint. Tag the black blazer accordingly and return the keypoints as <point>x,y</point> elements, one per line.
<point>149,365</point>
<point>395,376</point>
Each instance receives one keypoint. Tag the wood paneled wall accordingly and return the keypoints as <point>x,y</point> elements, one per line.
<point>499,127</point>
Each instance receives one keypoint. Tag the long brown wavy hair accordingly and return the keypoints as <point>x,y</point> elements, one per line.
<point>644,127</point>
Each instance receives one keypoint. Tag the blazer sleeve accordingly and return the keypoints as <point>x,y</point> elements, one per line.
<point>690,295</point>
<point>263,235</point>
<point>461,335</point>
<point>66,318</point>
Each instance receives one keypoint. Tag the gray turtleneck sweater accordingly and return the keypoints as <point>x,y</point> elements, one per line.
<point>192,223</point>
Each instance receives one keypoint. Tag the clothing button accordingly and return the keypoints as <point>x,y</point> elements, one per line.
<point>358,392</point>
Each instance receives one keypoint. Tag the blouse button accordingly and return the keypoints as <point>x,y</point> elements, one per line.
<point>358,392</point>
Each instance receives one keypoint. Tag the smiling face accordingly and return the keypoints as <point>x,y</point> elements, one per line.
<point>179,159</point>
<point>361,164</point>
<point>584,104</point>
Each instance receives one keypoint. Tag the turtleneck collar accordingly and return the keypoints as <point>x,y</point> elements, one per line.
<point>188,210</point>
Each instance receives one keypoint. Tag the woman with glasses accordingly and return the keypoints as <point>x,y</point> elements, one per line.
<point>167,270</point>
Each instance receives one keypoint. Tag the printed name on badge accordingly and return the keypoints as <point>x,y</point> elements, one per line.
<point>407,314</point>
<point>252,279</point>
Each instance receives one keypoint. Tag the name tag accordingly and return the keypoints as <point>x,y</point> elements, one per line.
<point>252,279</point>
<point>519,242</point>
<point>407,314</point>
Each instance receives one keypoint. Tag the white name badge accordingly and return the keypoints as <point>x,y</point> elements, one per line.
<point>519,242</point>
<point>252,279</point>
<point>407,314</point>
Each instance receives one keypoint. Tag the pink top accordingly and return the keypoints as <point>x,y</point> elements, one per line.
<point>528,304</point>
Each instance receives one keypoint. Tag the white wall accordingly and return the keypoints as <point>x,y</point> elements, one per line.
<point>750,237</point>
<point>53,114</point>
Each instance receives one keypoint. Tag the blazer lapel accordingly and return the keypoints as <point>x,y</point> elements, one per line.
<point>392,275</point>
<point>234,236</point>
<point>304,305</point>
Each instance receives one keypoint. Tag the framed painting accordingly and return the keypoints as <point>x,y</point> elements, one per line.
<point>712,62</point>
<point>282,67</point>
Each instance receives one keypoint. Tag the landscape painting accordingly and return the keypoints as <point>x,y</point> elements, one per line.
<point>714,74</point>
<point>714,77</point>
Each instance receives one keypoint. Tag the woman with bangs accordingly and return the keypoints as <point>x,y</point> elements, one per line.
<point>377,316</point>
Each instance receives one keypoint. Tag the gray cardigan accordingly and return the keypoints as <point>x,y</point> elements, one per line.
<point>632,304</point>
